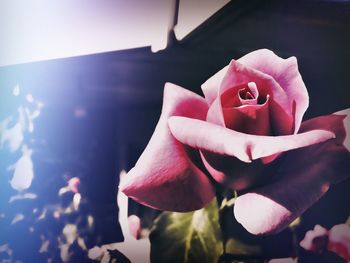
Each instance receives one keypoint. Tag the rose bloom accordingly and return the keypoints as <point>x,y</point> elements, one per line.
<point>247,134</point>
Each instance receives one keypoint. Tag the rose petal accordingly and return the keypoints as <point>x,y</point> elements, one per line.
<point>315,240</point>
<point>222,149</point>
<point>339,240</point>
<point>233,97</point>
<point>288,105</point>
<point>216,139</point>
<point>339,124</point>
<point>245,115</point>
<point>280,108</point>
<point>305,175</point>
<point>250,119</point>
<point>231,172</point>
<point>286,74</point>
<point>211,86</point>
<point>215,113</point>
<point>164,177</point>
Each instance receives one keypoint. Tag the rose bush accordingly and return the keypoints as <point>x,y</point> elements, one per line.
<point>247,134</point>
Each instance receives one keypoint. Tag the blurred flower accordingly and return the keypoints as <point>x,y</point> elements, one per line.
<point>13,136</point>
<point>339,241</point>
<point>23,171</point>
<point>136,250</point>
<point>134,223</point>
<point>96,253</point>
<point>64,252</point>
<point>29,98</point>
<point>315,240</point>
<point>73,184</point>
<point>336,240</point>
<point>17,218</point>
<point>70,233</point>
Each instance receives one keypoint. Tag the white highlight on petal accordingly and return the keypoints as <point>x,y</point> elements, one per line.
<point>252,85</point>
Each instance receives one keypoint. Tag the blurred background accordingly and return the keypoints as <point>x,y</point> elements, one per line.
<point>81,87</point>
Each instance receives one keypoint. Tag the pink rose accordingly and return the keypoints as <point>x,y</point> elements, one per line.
<point>248,131</point>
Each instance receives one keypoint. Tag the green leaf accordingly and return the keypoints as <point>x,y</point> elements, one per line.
<point>187,237</point>
<point>237,247</point>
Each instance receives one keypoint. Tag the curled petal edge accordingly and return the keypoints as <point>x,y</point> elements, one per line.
<point>217,139</point>
<point>164,177</point>
<point>305,176</point>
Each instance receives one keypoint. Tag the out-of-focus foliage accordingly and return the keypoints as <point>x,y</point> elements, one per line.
<point>131,249</point>
<point>34,226</point>
<point>187,237</point>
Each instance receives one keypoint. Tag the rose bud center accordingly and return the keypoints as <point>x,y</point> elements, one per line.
<point>249,94</point>
<point>245,111</point>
